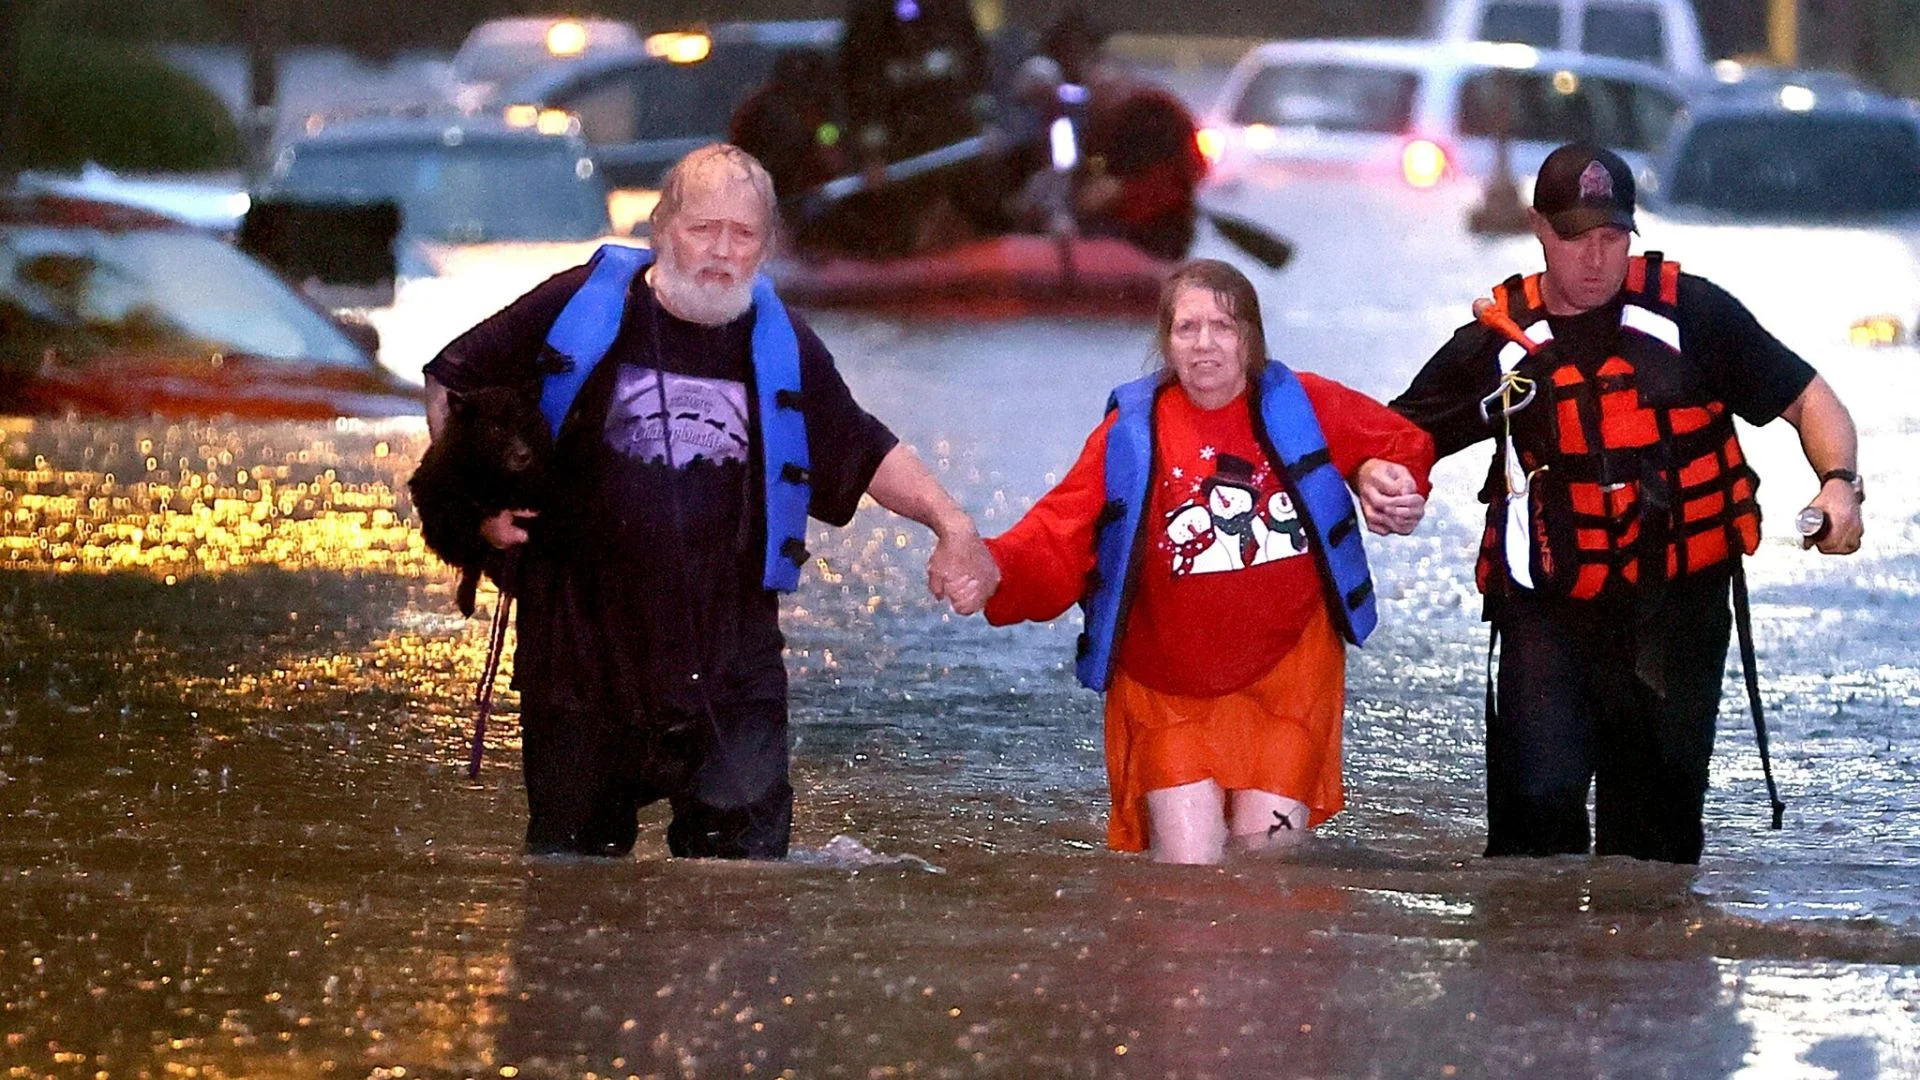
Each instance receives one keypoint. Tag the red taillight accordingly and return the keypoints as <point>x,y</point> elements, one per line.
<point>1423,163</point>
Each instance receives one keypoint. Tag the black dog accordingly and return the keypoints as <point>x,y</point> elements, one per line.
<point>494,454</point>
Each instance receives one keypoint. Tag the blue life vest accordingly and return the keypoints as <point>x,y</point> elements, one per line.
<point>585,330</point>
<point>1284,424</point>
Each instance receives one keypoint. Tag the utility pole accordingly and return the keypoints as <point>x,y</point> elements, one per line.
<point>12,131</point>
<point>263,78</point>
<point>1783,32</point>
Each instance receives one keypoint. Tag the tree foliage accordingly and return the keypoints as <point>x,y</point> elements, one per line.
<point>117,105</point>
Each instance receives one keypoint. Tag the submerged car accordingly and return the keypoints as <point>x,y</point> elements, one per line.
<point>457,179</point>
<point>1766,183</point>
<point>1665,33</point>
<point>487,211</point>
<point>642,111</point>
<point>113,311</point>
<point>1420,115</point>
<point>500,52</point>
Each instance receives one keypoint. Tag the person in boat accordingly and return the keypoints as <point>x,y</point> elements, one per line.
<point>1139,157</point>
<point>700,424</point>
<point>792,127</point>
<point>1208,531</point>
<point>1620,504</point>
<point>915,74</point>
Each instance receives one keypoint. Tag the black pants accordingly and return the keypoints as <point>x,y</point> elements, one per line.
<point>1571,712</point>
<point>725,776</point>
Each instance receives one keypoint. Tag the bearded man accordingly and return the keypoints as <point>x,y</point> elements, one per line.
<point>699,423</point>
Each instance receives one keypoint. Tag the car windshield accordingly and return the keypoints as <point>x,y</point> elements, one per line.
<point>1332,97</point>
<point>1800,166</point>
<point>78,293</point>
<point>1562,106</point>
<point>479,191</point>
<point>500,61</point>
<point>661,100</point>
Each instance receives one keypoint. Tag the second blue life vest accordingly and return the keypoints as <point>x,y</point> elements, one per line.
<point>585,330</point>
<point>1288,431</point>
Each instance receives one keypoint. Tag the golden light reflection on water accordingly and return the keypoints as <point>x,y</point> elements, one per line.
<point>177,498</point>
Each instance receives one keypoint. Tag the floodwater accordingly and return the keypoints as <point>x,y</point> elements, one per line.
<point>239,838</point>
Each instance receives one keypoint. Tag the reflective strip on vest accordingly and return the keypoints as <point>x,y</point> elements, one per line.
<point>1285,422</point>
<point>585,330</point>
<point>1651,323</point>
<point>1519,531</point>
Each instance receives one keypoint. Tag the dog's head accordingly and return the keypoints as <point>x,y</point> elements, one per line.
<point>501,428</point>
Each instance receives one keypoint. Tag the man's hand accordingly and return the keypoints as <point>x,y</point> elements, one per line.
<point>961,570</point>
<point>503,530</point>
<point>1389,499</point>
<point>1842,507</point>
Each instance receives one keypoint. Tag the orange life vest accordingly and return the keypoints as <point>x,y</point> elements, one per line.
<point>1629,470</point>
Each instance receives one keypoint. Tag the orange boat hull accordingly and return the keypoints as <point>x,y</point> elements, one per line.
<point>1007,276</point>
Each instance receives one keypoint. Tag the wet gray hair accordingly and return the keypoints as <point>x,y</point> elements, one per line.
<point>1236,296</point>
<point>708,167</point>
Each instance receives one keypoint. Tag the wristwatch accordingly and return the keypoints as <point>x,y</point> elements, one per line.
<point>1851,478</point>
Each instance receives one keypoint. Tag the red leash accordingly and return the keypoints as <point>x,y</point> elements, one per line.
<point>483,703</point>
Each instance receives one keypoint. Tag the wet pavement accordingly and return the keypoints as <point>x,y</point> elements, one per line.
<point>240,840</point>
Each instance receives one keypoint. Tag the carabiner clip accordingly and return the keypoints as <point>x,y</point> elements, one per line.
<point>1503,395</point>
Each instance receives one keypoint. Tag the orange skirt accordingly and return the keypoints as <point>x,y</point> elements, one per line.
<point>1280,735</point>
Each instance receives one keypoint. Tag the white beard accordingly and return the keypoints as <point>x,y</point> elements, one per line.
<point>681,292</point>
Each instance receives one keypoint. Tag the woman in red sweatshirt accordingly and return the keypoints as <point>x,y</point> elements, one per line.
<point>1208,531</point>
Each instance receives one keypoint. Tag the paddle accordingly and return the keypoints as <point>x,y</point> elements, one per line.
<point>819,200</point>
<point>1256,240</point>
<point>1260,243</point>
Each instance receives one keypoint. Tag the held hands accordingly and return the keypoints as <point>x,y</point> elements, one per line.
<point>1390,500</point>
<point>961,570</point>
<point>1842,507</point>
<point>503,530</point>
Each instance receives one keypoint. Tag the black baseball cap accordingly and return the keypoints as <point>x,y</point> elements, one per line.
<point>1582,186</point>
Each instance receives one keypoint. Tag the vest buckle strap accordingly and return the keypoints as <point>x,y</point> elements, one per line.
<point>1314,460</point>
<point>795,474</point>
<point>794,550</point>
<point>787,399</point>
<point>552,361</point>
<point>1359,594</point>
<point>1340,531</point>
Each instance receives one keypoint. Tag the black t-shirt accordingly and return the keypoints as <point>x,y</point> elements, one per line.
<point>644,570</point>
<point>1734,357</point>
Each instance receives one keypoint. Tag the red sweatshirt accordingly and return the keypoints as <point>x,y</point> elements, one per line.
<point>1226,582</point>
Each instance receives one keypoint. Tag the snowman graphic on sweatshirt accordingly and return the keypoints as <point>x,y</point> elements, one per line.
<point>1237,517</point>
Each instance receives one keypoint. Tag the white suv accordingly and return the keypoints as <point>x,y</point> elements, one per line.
<point>1665,33</point>
<point>1417,115</point>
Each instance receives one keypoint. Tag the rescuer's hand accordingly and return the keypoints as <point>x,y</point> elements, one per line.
<point>1841,504</point>
<point>1390,500</point>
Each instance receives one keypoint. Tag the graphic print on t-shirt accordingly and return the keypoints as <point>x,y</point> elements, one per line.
<point>706,418</point>
<point>1235,516</point>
